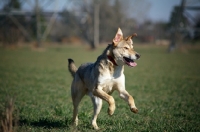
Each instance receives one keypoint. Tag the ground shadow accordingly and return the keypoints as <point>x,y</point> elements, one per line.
<point>46,123</point>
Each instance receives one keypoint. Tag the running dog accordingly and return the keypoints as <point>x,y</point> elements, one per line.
<point>101,78</point>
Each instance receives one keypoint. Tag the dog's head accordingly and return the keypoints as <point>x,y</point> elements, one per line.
<point>123,50</point>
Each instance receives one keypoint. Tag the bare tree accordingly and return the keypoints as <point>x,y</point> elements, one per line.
<point>84,20</point>
<point>197,30</point>
<point>80,19</point>
<point>9,26</point>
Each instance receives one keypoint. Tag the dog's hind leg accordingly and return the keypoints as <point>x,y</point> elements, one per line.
<point>77,94</point>
<point>97,103</point>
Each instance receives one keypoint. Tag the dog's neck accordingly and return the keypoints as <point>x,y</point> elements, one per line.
<point>112,60</point>
<point>107,61</point>
<point>108,53</point>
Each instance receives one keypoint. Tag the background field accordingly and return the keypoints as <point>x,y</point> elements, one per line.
<point>166,88</point>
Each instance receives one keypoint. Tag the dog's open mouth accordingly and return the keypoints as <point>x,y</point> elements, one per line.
<point>129,62</point>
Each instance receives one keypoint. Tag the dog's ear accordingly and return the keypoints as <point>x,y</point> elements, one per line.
<point>118,37</point>
<point>130,37</point>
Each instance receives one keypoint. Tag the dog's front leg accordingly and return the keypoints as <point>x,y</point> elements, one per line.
<point>128,98</point>
<point>109,99</point>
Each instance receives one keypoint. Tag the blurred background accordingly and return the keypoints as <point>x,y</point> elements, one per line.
<point>35,86</point>
<point>94,22</point>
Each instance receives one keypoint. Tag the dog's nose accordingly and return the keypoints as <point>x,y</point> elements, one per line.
<point>137,55</point>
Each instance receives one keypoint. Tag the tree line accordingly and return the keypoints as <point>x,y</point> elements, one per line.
<point>78,22</point>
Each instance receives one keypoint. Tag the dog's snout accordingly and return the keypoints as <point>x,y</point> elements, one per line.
<point>137,55</point>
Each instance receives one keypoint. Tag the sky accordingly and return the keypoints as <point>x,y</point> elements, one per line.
<point>160,10</point>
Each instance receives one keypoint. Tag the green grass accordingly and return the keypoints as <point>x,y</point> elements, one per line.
<point>166,88</point>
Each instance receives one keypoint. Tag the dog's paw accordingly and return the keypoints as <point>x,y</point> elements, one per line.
<point>134,110</point>
<point>111,110</point>
<point>95,127</point>
<point>94,124</point>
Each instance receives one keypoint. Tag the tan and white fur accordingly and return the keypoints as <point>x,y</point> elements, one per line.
<point>100,79</point>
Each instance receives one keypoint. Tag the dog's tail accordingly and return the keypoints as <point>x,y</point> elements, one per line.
<point>72,67</point>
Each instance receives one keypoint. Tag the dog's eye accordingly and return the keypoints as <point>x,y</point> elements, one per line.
<point>126,48</point>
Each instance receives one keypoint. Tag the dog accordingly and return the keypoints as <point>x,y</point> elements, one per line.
<point>101,78</point>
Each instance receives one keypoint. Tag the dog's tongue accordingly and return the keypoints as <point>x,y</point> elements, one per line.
<point>132,64</point>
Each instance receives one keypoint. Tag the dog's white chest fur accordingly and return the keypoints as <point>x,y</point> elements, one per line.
<point>108,80</point>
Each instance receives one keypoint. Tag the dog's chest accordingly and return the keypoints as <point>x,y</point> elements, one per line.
<point>108,80</point>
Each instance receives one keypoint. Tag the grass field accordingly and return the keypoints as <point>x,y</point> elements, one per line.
<point>166,88</point>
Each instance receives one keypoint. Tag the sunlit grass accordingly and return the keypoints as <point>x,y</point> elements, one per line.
<point>165,87</point>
